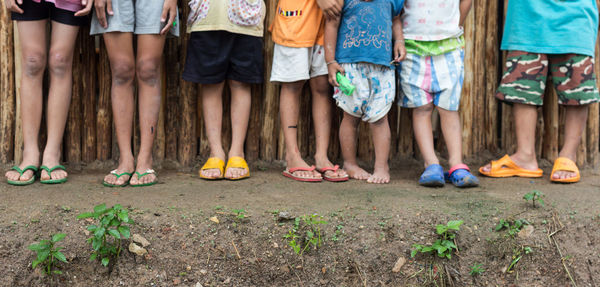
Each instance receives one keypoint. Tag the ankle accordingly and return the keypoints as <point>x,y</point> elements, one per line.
<point>236,153</point>
<point>218,153</point>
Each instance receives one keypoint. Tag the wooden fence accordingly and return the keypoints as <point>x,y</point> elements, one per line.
<point>181,138</point>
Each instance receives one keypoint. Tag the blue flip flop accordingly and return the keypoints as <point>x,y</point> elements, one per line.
<point>433,176</point>
<point>460,175</point>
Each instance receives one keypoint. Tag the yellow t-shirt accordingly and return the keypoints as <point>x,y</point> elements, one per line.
<point>298,24</point>
<point>235,16</point>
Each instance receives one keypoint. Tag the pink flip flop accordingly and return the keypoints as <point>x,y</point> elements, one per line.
<point>290,173</point>
<point>330,178</point>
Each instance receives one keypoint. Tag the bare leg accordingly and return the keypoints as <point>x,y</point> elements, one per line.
<point>241,102</point>
<point>424,133</point>
<point>525,117</point>
<point>380,131</point>
<point>575,121</point>
<point>348,144</point>
<point>212,110</point>
<point>452,131</point>
<point>149,55</point>
<point>62,45</point>
<point>321,111</point>
<point>289,110</point>
<point>122,65</point>
<point>33,57</point>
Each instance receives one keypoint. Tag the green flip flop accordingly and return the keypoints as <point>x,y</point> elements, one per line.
<point>118,175</point>
<point>140,175</point>
<point>21,172</point>
<point>49,171</point>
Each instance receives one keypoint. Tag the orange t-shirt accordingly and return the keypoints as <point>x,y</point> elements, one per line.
<point>298,24</point>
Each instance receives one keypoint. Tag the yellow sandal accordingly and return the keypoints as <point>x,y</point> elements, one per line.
<point>213,163</point>
<point>238,162</point>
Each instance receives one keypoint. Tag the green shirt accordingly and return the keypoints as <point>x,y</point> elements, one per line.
<point>434,48</point>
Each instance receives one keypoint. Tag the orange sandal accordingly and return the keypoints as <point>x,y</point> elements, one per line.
<point>565,164</point>
<point>505,167</point>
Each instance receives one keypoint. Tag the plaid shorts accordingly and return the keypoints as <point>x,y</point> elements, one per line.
<point>524,79</point>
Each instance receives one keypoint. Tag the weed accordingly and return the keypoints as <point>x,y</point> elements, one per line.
<point>300,238</point>
<point>476,270</point>
<point>517,255</point>
<point>239,213</point>
<point>47,253</point>
<point>513,227</point>
<point>218,207</point>
<point>110,224</point>
<point>533,196</point>
<point>339,230</point>
<point>445,245</point>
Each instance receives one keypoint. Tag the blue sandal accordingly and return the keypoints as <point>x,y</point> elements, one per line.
<point>460,175</point>
<point>433,176</point>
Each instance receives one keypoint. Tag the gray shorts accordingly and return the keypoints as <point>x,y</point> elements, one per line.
<point>138,17</point>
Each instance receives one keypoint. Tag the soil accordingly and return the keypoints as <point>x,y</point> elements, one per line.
<point>368,229</point>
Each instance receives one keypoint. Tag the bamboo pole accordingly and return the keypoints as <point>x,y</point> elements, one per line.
<point>18,124</point>
<point>270,102</point>
<point>104,128</point>
<point>7,88</point>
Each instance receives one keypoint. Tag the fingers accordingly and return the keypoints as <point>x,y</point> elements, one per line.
<point>163,17</point>
<point>83,3</point>
<point>84,11</point>
<point>109,7</point>
<point>14,7</point>
<point>20,3</point>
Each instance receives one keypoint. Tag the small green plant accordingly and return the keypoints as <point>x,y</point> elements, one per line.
<point>111,223</point>
<point>300,238</point>
<point>476,269</point>
<point>517,255</point>
<point>239,213</point>
<point>444,246</point>
<point>339,230</point>
<point>48,253</point>
<point>533,196</point>
<point>512,227</point>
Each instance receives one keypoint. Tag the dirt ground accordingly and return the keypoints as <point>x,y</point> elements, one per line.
<point>368,229</point>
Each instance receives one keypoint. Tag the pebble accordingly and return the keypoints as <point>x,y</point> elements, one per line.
<point>399,263</point>
<point>188,268</point>
<point>134,248</point>
<point>141,240</point>
<point>284,215</point>
<point>227,281</point>
<point>214,219</point>
<point>203,271</point>
<point>176,281</point>
<point>526,231</point>
<point>198,284</point>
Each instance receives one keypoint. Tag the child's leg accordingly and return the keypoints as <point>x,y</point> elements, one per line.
<point>289,110</point>
<point>148,61</point>
<point>451,128</point>
<point>33,56</point>
<point>60,64</point>
<point>321,112</point>
<point>575,122</point>
<point>241,103</point>
<point>424,134</point>
<point>212,112</point>
<point>348,144</point>
<point>119,47</point>
<point>380,132</point>
<point>525,117</point>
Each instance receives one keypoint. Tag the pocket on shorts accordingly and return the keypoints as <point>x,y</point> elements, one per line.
<point>198,10</point>
<point>245,12</point>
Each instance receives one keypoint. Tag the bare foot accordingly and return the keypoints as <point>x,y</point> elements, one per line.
<point>297,161</point>
<point>356,172</point>
<point>323,162</point>
<point>13,175</point>
<point>523,162</point>
<point>380,176</point>
<point>51,160</point>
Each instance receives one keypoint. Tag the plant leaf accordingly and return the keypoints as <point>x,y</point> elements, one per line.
<point>99,209</point>
<point>105,261</point>
<point>99,232</point>
<point>96,243</point>
<point>413,253</point>
<point>43,254</point>
<point>114,233</point>
<point>58,255</point>
<point>455,224</point>
<point>85,215</point>
<point>92,228</point>
<point>528,196</point>
<point>57,272</point>
<point>124,216</point>
<point>58,237</point>
<point>93,256</point>
<point>114,222</point>
<point>124,230</point>
<point>440,229</point>
<point>35,247</point>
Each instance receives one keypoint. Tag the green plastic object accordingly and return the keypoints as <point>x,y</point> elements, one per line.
<point>345,85</point>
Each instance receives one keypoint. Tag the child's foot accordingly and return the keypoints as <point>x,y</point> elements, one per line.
<point>51,160</point>
<point>214,173</point>
<point>237,167</point>
<point>525,163</point>
<point>380,176</point>
<point>460,176</point>
<point>14,175</point>
<point>356,172</point>
<point>141,169</point>
<point>566,174</point>
<point>433,176</point>
<point>329,171</point>
<point>297,162</point>
<point>125,166</point>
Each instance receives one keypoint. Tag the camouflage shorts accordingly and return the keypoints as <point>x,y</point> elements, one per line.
<point>525,75</point>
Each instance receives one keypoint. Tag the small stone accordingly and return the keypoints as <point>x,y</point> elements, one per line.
<point>188,268</point>
<point>214,219</point>
<point>227,281</point>
<point>134,248</point>
<point>475,227</point>
<point>140,240</point>
<point>203,271</point>
<point>399,263</point>
<point>285,269</point>
<point>176,281</point>
<point>284,215</point>
<point>323,270</point>
<point>198,284</point>
<point>275,245</point>
<point>526,231</point>
<point>87,233</point>
<point>361,227</point>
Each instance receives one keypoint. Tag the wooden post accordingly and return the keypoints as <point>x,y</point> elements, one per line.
<point>479,75</point>
<point>491,76</point>
<point>7,88</point>
<point>158,150</point>
<point>466,106</point>
<point>405,133</point>
<point>252,148</point>
<point>18,124</point>
<point>187,144</point>
<point>104,125</point>
<point>72,136</point>
<point>172,97</point>
<point>88,97</point>
<point>270,102</point>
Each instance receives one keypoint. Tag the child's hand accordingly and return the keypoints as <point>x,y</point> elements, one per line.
<point>12,6</point>
<point>87,8</point>
<point>333,69</point>
<point>399,51</point>
<point>331,8</point>
<point>170,10</point>
<point>103,7</point>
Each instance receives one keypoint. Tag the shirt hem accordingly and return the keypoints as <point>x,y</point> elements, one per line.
<point>232,29</point>
<point>430,39</point>
<point>548,50</point>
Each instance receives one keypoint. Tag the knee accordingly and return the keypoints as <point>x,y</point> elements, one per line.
<point>148,71</point>
<point>123,72</point>
<point>59,63</point>
<point>423,110</point>
<point>295,87</point>
<point>233,84</point>
<point>380,122</point>
<point>34,64</point>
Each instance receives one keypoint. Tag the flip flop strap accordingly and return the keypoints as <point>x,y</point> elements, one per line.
<point>295,169</point>
<point>118,175</point>
<point>50,170</point>
<point>505,161</point>
<point>140,175</point>
<point>22,171</point>
<point>237,162</point>
<point>329,168</point>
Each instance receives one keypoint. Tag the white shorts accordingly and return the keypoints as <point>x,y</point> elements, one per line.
<point>374,94</point>
<point>297,64</point>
